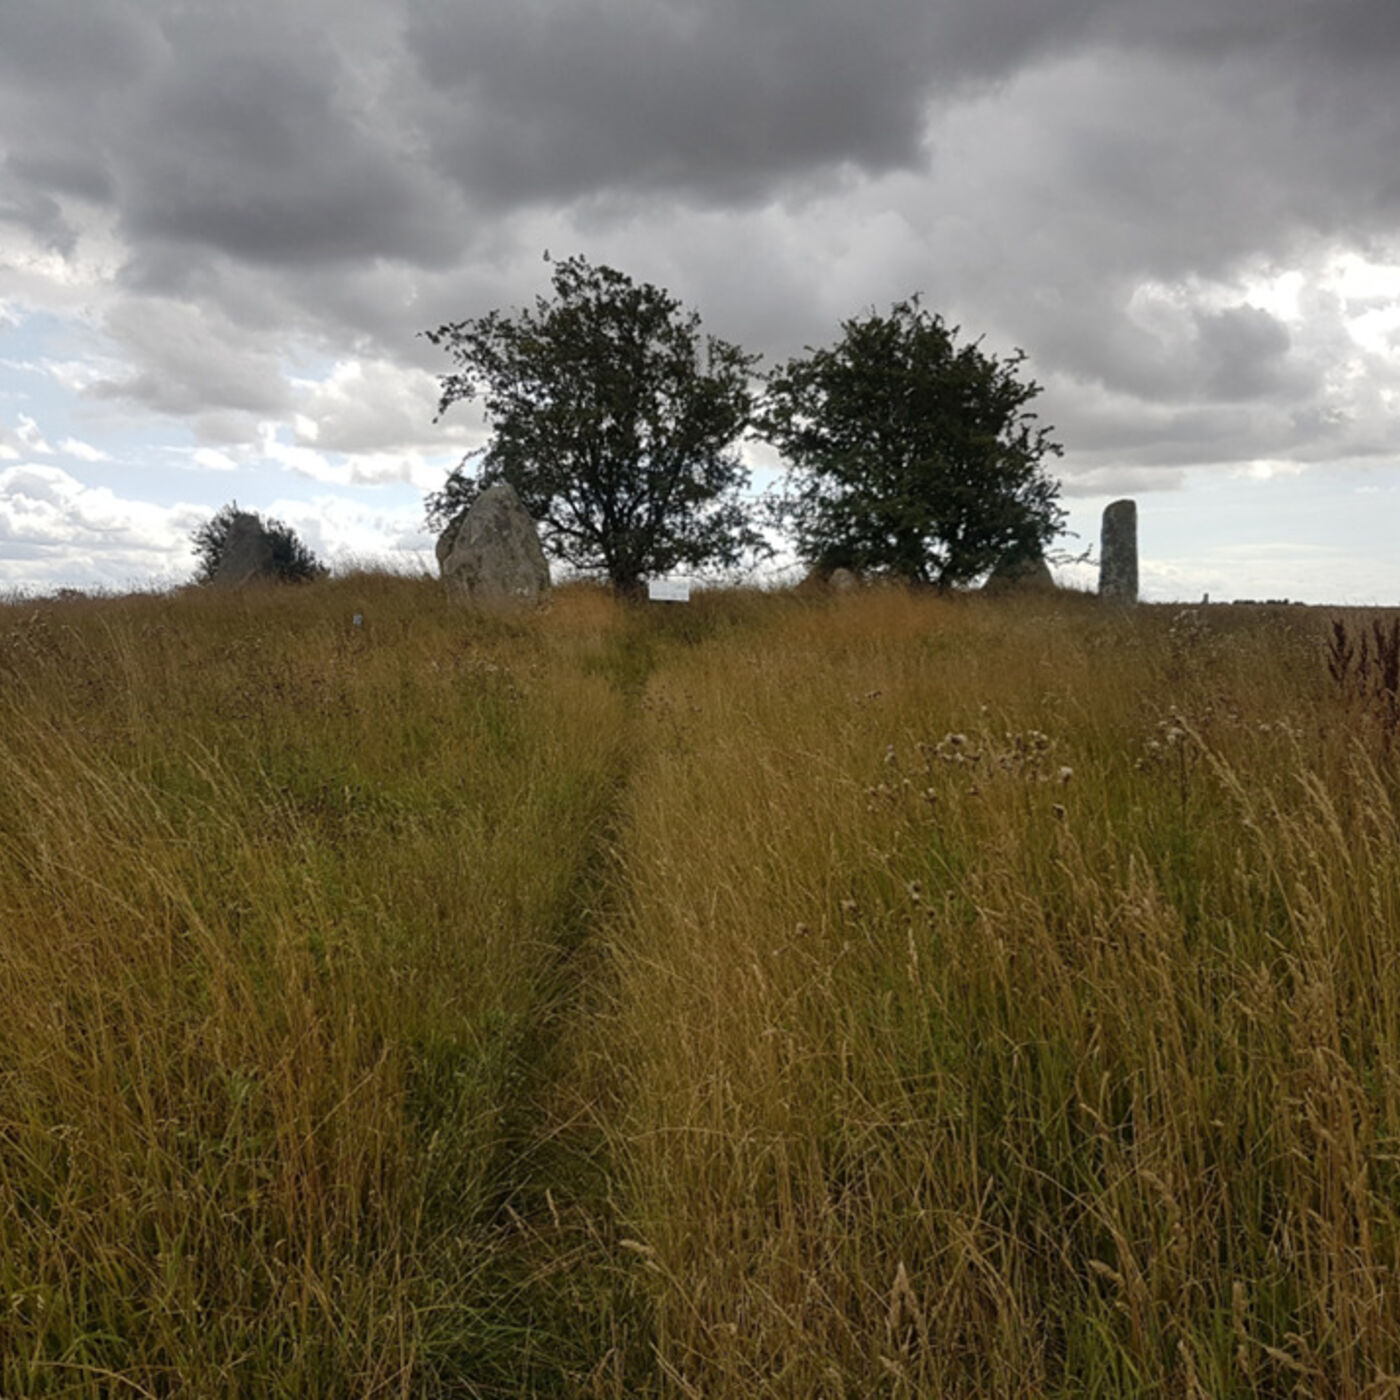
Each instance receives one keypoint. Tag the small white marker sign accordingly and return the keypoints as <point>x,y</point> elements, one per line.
<point>668,590</point>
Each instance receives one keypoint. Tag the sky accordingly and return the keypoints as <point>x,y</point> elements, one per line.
<point>225,223</point>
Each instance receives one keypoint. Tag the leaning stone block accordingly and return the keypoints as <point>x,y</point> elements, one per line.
<point>493,553</point>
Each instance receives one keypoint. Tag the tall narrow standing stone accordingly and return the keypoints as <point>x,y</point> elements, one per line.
<point>1118,559</point>
<point>247,552</point>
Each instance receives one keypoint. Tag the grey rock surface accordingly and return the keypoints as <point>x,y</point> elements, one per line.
<point>247,553</point>
<point>818,579</point>
<point>447,539</point>
<point>1118,553</point>
<point>494,554</point>
<point>1019,574</point>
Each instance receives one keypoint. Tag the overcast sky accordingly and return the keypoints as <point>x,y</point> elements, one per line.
<point>223,223</point>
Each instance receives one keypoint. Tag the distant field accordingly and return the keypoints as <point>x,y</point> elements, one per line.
<point>766,996</point>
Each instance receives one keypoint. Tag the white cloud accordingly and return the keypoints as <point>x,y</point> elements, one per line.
<point>372,406</point>
<point>213,460</point>
<point>1279,293</point>
<point>83,451</point>
<point>422,469</point>
<point>1377,330</point>
<point>1122,480</point>
<point>76,376</point>
<point>1359,279</point>
<point>31,436</point>
<point>1265,469</point>
<point>345,531</point>
<point>304,461</point>
<point>54,530</point>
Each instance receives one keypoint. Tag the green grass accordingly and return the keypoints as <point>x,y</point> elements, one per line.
<point>874,995</point>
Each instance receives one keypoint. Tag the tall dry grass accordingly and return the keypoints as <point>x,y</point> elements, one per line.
<point>1006,1003</point>
<point>279,898</point>
<point>872,995</point>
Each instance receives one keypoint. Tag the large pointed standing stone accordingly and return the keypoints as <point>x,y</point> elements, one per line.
<point>494,555</point>
<point>1118,553</point>
<point>247,552</point>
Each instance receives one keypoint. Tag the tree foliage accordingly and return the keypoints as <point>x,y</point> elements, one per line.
<point>292,561</point>
<point>458,492</point>
<point>910,454</point>
<point>614,420</point>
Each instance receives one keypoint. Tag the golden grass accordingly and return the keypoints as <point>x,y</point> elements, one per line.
<point>870,995</point>
<point>1006,1005</point>
<point>277,896</point>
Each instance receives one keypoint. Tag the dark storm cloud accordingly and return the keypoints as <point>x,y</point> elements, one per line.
<point>1326,33</point>
<point>67,173</point>
<point>551,100</point>
<point>235,131</point>
<point>542,101</point>
<point>248,146</point>
<point>187,361</point>
<point>338,174</point>
<point>309,132</point>
<point>40,214</point>
<point>62,64</point>
<point>73,49</point>
<point>1243,350</point>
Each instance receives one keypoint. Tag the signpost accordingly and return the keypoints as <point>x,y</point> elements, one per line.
<point>668,590</point>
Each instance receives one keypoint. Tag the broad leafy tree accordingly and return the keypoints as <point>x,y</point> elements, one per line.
<point>911,454</point>
<point>614,420</point>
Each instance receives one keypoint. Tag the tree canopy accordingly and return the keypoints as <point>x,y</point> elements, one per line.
<point>614,420</point>
<point>909,453</point>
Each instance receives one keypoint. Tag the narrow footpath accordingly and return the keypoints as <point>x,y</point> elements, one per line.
<point>561,1317</point>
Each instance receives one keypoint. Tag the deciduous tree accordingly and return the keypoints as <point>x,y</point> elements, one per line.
<point>911,454</point>
<point>615,421</point>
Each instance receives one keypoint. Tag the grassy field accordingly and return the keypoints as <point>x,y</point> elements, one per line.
<point>776,996</point>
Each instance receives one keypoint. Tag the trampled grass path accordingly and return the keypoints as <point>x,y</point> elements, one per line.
<point>561,1314</point>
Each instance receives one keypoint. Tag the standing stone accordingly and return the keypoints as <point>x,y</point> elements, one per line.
<point>247,553</point>
<point>494,555</point>
<point>1020,573</point>
<point>447,539</point>
<point>819,580</point>
<point>1118,555</point>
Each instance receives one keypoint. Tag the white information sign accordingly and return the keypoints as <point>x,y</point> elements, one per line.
<point>668,590</point>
